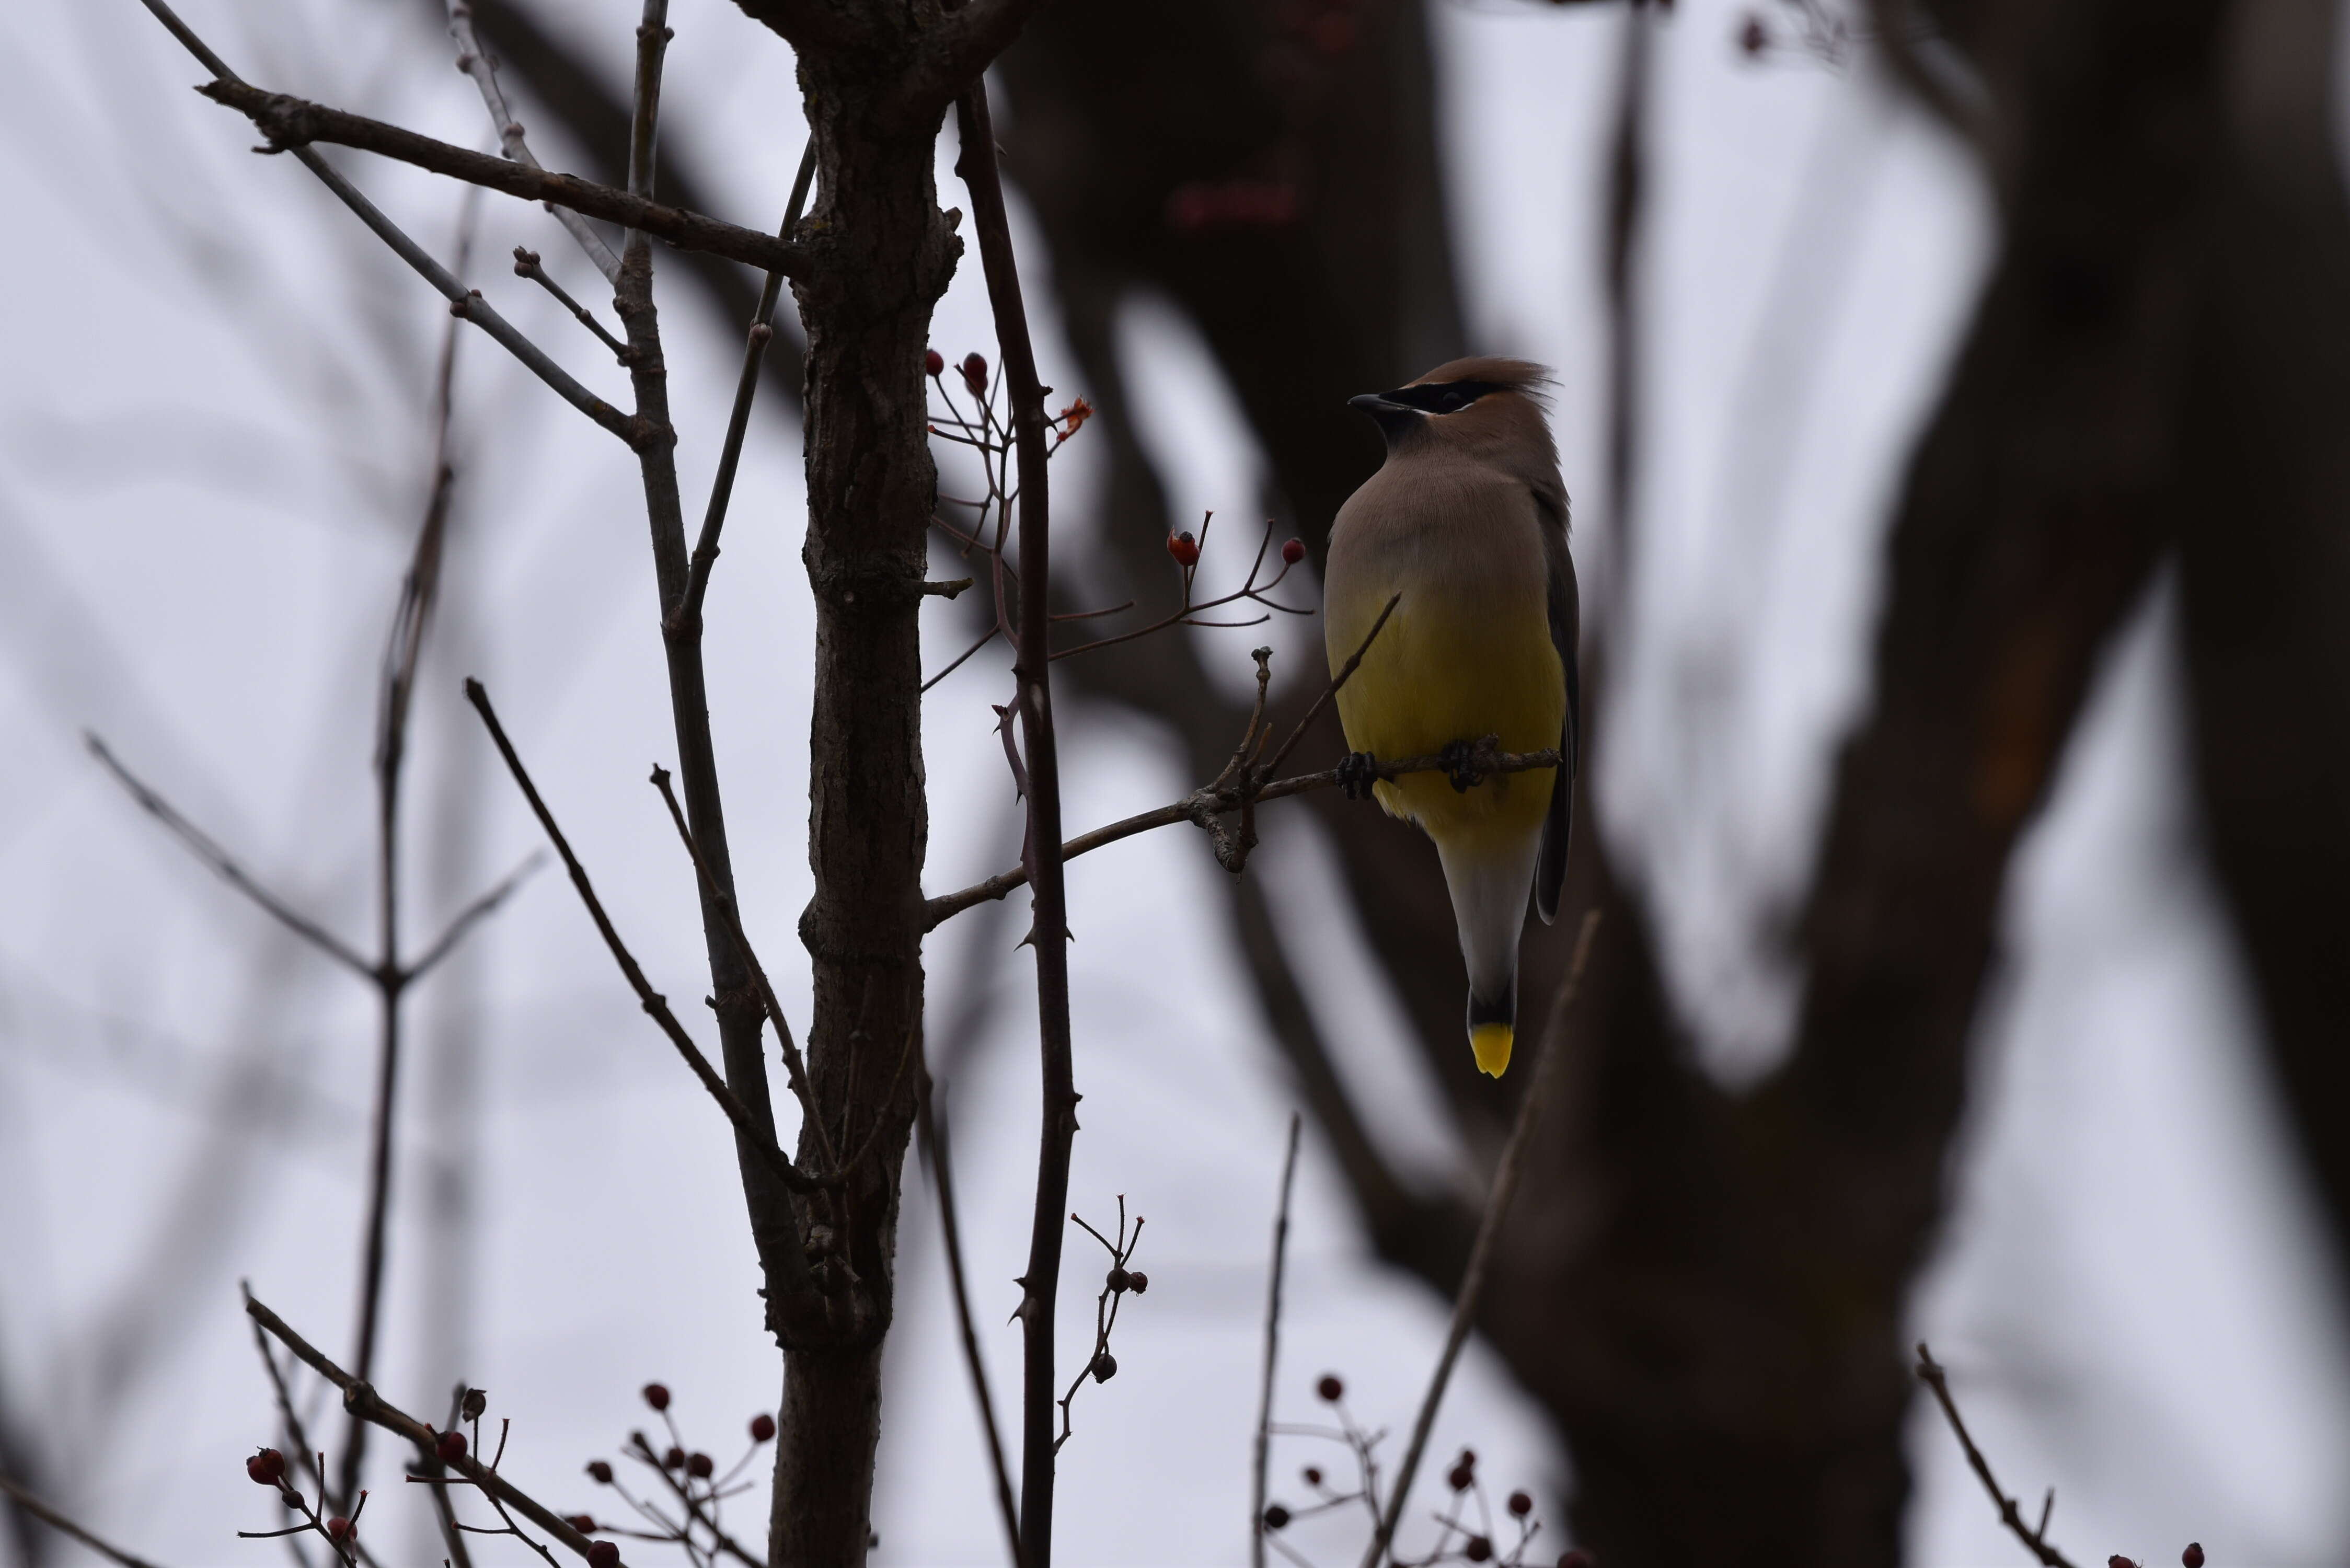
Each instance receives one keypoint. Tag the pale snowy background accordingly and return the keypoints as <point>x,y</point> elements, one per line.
<point>214,444</point>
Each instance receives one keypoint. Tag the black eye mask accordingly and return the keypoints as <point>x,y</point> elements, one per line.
<point>1441,397</point>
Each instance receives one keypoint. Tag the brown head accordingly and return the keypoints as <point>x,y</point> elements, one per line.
<point>1489,411</point>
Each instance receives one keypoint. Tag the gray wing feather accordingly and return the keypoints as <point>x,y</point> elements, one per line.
<point>1566,617</point>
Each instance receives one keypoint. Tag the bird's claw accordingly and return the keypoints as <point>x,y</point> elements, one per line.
<point>1459,759</point>
<point>1358,772</point>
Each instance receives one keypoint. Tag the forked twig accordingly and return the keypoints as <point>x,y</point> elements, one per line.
<point>362,1401</point>
<point>1930,1373</point>
<point>462,301</point>
<point>769,1154</point>
<point>726,907</point>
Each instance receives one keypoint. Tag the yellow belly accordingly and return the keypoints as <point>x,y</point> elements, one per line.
<point>1456,671</point>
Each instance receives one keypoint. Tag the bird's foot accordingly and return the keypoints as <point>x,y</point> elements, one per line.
<point>1460,760</point>
<point>1358,772</point>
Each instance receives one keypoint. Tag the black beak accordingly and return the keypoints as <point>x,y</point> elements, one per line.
<point>1392,418</point>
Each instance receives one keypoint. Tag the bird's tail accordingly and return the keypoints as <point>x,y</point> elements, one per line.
<point>1489,904</point>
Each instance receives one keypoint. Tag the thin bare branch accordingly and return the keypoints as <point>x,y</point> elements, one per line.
<point>529,263</point>
<point>1262,1455</point>
<point>726,906</point>
<point>1930,1373</point>
<point>1031,672</point>
<point>738,421</point>
<point>477,63</point>
<point>292,124</point>
<point>1330,692</point>
<point>775,1159</point>
<point>932,1127</point>
<point>466,303</point>
<point>363,1402</point>
<point>1202,807</point>
<point>1497,1208</point>
<point>59,1523</point>
<point>474,913</point>
<point>225,866</point>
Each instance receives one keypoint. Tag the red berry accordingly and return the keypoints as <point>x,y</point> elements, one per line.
<point>339,1529</point>
<point>2119,1561</point>
<point>600,1472</point>
<point>1330,1388</point>
<point>604,1554</point>
<point>1275,1517</point>
<point>657,1395</point>
<point>700,1465</point>
<point>1468,1458</point>
<point>1137,1282</point>
<point>450,1447</point>
<point>1104,1367</point>
<point>582,1523</point>
<point>267,1467</point>
<point>2193,1556</point>
<point>974,374</point>
<point>674,1459</point>
<point>1755,37</point>
<point>762,1428</point>
<point>935,363</point>
<point>1184,549</point>
<point>1479,1550</point>
<point>1460,1477</point>
<point>1293,551</point>
<point>1521,1505</point>
<point>1313,1475</point>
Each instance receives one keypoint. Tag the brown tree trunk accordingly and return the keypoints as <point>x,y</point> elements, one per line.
<point>883,253</point>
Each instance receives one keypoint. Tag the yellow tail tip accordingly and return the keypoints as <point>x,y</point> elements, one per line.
<point>1492,1042</point>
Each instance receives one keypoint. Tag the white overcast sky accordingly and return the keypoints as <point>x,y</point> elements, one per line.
<point>213,450</point>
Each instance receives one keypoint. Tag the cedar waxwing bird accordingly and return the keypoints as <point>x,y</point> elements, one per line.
<point>1464,526</point>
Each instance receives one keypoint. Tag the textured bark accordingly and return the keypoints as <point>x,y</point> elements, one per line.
<point>883,254</point>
